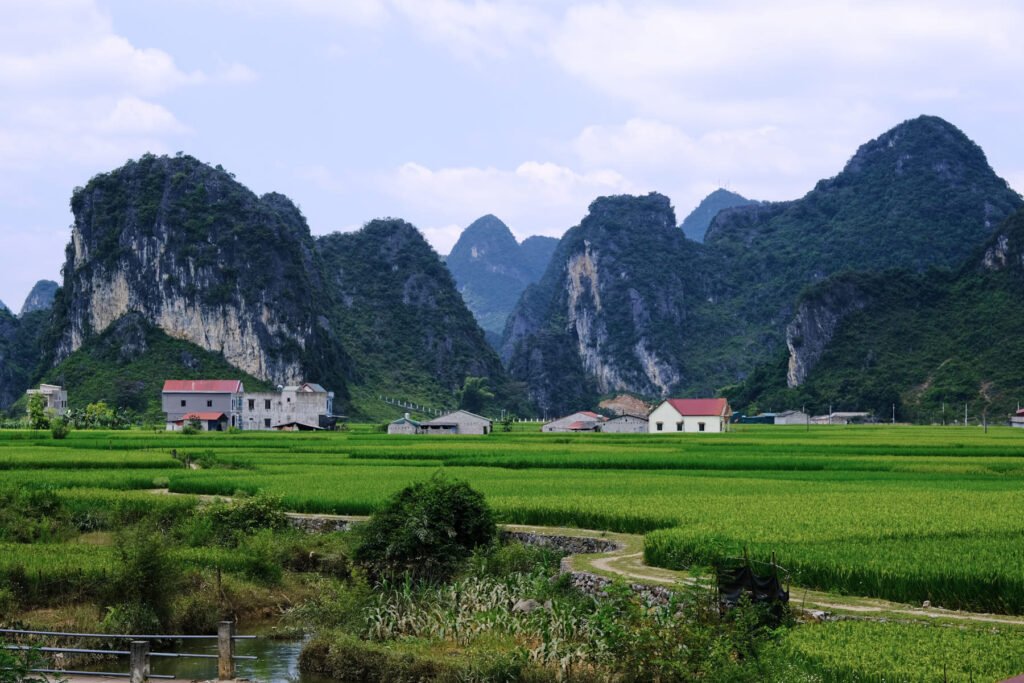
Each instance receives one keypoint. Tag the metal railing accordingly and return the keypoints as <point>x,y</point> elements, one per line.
<point>139,652</point>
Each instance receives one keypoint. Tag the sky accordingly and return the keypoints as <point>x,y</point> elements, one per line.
<point>440,111</point>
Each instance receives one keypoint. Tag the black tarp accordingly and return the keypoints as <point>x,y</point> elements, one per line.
<point>736,581</point>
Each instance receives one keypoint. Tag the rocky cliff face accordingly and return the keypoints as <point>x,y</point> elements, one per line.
<point>40,298</point>
<point>199,256</point>
<point>818,316</point>
<point>491,269</point>
<point>614,309</point>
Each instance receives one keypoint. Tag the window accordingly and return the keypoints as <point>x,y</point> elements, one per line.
<point>288,400</point>
<point>209,403</point>
<point>182,403</point>
<point>700,426</point>
<point>266,422</point>
<point>660,426</point>
<point>679,426</point>
<point>252,404</point>
<point>266,405</point>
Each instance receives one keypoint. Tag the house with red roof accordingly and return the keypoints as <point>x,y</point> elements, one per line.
<point>676,415</point>
<point>216,403</point>
<point>1017,419</point>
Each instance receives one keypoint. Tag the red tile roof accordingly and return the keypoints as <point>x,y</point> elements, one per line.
<point>205,386</point>
<point>205,417</point>
<point>699,406</point>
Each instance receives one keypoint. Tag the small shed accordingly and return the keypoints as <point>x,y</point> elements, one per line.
<point>625,424</point>
<point>209,422</point>
<point>580,421</point>
<point>1017,420</point>
<point>404,425</point>
<point>295,426</point>
<point>458,422</point>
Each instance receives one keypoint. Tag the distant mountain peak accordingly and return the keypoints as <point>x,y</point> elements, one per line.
<point>696,224</point>
<point>40,298</point>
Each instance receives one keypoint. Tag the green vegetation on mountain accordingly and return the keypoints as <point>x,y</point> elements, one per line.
<point>624,307</point>
<point>403,323</point>
<point>928,343</point>
<point>695,225</point>
<point>20,352</point>
<point>127,364</point>
<point>491,269</point>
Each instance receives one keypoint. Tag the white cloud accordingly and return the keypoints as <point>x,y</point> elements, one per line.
<point>474,29</point>
<point>533,198</point>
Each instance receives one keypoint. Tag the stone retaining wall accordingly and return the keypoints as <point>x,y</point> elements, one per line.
<point>572,545</point>
<point>319,525</point>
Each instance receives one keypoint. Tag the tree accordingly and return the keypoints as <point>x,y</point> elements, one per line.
<point>474,394</point>
<point>37,417</point>
<point>425,532</point>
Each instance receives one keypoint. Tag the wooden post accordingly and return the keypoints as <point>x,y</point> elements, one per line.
<point>139,659</point>
<point>225,651</point>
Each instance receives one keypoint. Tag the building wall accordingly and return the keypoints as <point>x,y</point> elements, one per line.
<point>402,428</point>
<point>200,402</point>
<point>272,408</point>
<point>465,424</point>
<point>627,424</point>
<point>796,418</point>
<point>671,419</point>
<point>56,398</point>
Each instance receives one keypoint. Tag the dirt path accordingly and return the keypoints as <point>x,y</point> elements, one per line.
<point>627,562</point>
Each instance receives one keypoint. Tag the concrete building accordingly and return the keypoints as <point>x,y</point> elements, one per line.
<point>690,415</point>
<point>1017,419</point>
<point>404,425</point>
<point>459,422</point>
<point>625,424</point>
<point>309,406</point>
<point>56,398</point>
<point>216,402</point>
<point>582,421</point>
<point>792,417</point>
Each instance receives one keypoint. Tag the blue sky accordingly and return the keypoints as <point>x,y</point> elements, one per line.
<point>439,111</point>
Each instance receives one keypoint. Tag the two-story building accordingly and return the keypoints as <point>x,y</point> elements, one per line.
<point>302,407</point>
<point>56,398</point>
<point>216,403</point>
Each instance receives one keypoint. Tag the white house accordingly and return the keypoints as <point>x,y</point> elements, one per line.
<point>690,415</point>
<point>56,398</point>
<point>459,422</point>
<point>1017,420</point>
<point>838,418</point>
<point>404,425</point>
<point>582,421</point>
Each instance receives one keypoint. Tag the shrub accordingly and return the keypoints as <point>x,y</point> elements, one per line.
<point>16,666</point>
<point>426,532</point>
<point>144,581</point>
<point>60,427</point>
<point>230,522</point>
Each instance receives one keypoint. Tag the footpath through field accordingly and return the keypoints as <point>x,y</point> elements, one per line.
<point>626,561</point>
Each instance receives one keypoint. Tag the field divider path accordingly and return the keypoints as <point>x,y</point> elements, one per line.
<point>624,559</point>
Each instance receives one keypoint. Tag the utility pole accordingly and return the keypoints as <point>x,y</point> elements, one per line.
<point>965,414</point>
<point>894,413</point>
<point>943,413</point>
<point>830,413</point>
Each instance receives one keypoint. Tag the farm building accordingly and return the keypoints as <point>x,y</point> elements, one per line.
<point>792,417</point>
<point>1017,420</point>
<point>841,418</point>
<point>459,422</point>
<point>690,415</point>
<point>625,424</point>
<point>582,421</point>
<point>404,425</point>
<point>217,402</point>
<point>56,398</point>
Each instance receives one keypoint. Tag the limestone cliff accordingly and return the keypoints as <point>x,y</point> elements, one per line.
<point>203,259</point>
<point>40,298</point>
<point>618,310</point>
<point>818,317</point>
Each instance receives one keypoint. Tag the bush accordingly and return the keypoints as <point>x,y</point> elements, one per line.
<point>144,581</point>
<point>229,523</point>
<point>426,532</point>
<point>60,428</point>
<point>16,666</point>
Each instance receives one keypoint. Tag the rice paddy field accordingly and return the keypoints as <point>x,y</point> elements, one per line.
<point>900,513</point>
